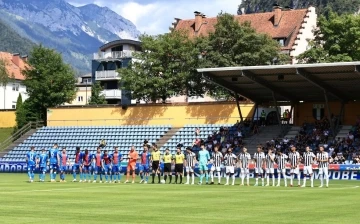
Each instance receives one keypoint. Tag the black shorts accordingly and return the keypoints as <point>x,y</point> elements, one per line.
<point>167,167</point>
<point>179,168</point>
<point>155,165</point>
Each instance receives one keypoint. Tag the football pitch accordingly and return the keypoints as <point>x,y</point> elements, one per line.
<point>22,202</point>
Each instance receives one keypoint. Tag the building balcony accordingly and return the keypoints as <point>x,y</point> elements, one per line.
<point>112,93</point>
<point>107,75</point>
<point>113,55</point>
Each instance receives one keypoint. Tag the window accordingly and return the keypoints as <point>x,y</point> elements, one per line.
<point>118,48</point>
<point>13,106</point>
<point>281,41</point>
<point>15,87</point>
<point>80,98</point>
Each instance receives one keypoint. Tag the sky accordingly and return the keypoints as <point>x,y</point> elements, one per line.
<point>155,16</point>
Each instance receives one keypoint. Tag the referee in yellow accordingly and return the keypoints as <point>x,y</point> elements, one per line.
<point>179,164</point>
<point>167,157</point>
<point>155,163</point>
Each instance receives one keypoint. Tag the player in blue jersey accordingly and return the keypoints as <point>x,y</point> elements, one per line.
<point>77,166</point>
<point>64,160</point>
<point>204,158</point>
<point>116,159</point>
<point>86,164</point>
<point>106,165</point>
<point>54,162</point>
<point>42,163</point>
<point>31,162</point>
<point>144,166</point>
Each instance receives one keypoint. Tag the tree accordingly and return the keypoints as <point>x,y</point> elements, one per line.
<point>322,6</point>
<point>235,44</point>
<point>49,81</point>
<point>336,39</point>
<point>164,69</point>
<point>20,113</point>
<point>96,96</point>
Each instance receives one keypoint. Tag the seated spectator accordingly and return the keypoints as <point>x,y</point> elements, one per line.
<point>102,143</point>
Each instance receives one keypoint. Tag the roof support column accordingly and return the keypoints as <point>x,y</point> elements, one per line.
<point>291,114</point>
<point>340,119</point>
<point>277,113</point>
<point>238,106</point>
<point>329,114</point>
<point>255,111</point>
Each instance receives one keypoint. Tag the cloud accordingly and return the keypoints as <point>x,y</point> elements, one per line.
<point>156,16</point>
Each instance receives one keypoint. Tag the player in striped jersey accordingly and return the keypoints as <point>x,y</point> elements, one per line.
<point>308,157</point>
<point>230,161</point>
<point>294,159</point>
<point>281,163</point>
<point>270,160</point>
<point>217,158</point>
<point>244,159</point>
<point>259,158</point>
<point>323,163</point>
<point>190,165</point>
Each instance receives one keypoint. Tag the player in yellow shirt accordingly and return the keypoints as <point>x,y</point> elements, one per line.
<point>179,164</point>
<point>155,161</point>
<point>167,165</point>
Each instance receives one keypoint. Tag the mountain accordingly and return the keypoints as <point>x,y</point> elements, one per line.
<point>12,42</point>
<point>322,6</point>
<point>76,32</point>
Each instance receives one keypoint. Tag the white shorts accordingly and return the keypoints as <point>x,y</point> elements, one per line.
<point>270,170</point>
<point>215,168</point>
<point>229,169</point>
<point>324,171</point>
<point>281,170</point>
<point>308,170</point>
<point>189,169</point>
<point>244,170</point>
<point>296,170</point>
<point>259,170</point>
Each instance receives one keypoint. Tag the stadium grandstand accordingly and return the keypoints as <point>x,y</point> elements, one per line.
<point>322,100</point>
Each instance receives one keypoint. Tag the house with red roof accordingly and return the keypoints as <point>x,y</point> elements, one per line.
<point>291,28</point>
<point>15,65</point>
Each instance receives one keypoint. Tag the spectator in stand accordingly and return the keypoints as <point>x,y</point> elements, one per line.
<point>197,132</point>
<point>102,143</point>
<point>263,118</point>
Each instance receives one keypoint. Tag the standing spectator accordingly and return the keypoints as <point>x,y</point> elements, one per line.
<point>263,118</point>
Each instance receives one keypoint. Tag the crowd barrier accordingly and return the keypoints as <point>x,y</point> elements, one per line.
<point>336,171</point>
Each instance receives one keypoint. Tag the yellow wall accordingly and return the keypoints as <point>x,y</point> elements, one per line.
<point>303,112</point>
<point>176,115</point>
<point>7,119</point>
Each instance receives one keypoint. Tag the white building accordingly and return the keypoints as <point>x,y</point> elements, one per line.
<point>9,93</point>
<point>83,92</point>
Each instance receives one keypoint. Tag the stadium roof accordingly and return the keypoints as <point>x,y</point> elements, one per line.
<point>299,82</point>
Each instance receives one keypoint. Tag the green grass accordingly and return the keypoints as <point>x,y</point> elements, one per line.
<point>5,133</point>
<point>22,202</point>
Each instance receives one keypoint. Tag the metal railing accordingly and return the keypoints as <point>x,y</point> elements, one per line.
<point>108,74</point>
<point>105,122</point>
<point>31,125</point>
<point>113,54</point>
<point>111,93</point>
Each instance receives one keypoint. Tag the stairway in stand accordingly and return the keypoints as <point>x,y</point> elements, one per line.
<point>265,134</point>
<point>167,136</point>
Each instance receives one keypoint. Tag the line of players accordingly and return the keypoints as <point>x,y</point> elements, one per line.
<point>90,165</point>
